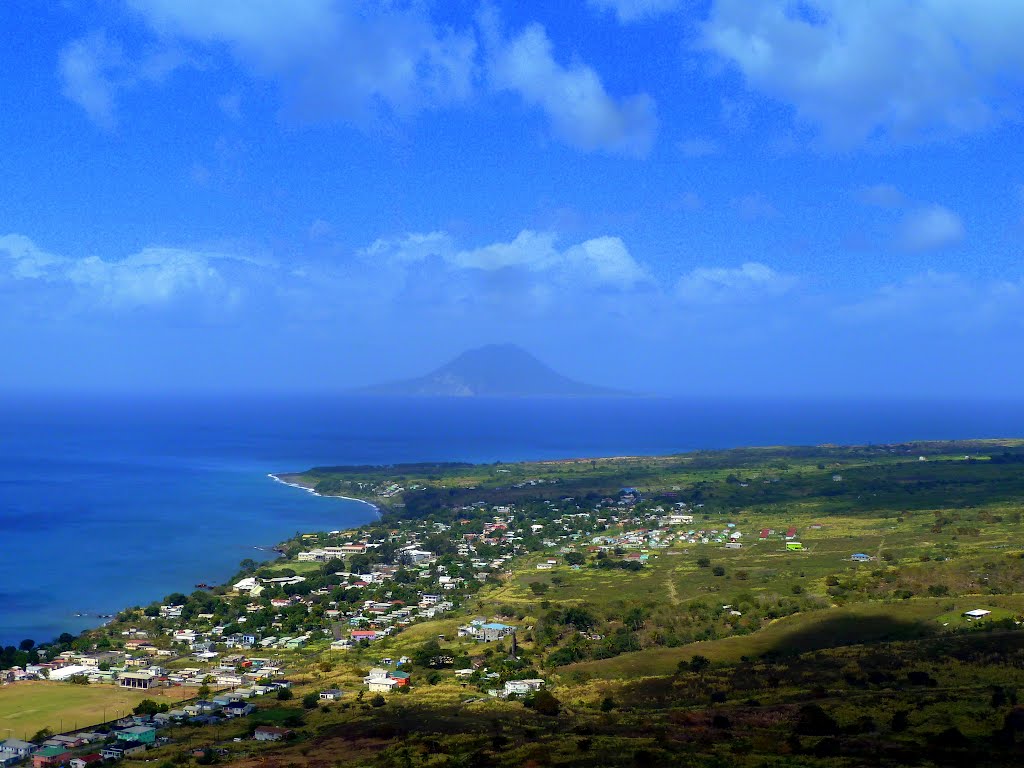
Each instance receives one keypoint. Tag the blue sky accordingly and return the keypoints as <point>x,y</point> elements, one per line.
<point>718,197</point>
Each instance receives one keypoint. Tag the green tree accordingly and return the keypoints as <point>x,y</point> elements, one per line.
<point>699,663</point>
<point>545,703</point>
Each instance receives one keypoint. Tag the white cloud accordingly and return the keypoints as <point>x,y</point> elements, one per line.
<point>607,261</point>
<point>86,67</point>
<point>720,285</point>
<point>931,227</point>
<point>581,111</point>
<point>629,11</point>
<point>900,67</point>
<point>351,59</point>
<point>25,260</point>
<point>598,262</point>
<point>150,278</point>
<point>95,70</point>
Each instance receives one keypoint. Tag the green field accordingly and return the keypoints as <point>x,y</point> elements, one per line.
<point>28,707</point>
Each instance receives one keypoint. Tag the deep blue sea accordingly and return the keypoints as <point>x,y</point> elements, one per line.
<point>110,502</point>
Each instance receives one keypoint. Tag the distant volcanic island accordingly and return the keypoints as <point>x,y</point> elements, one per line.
<point>496,370</point>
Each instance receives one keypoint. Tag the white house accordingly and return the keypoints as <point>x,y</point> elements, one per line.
<point>379,681</point>
<point>520,687</point>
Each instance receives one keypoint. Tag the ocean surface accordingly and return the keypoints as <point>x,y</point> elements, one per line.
<point>111,502</point>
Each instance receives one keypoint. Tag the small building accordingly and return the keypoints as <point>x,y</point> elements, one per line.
<point>380,681</point>
<point>522,687</point>
<point>85,760</point>
<point>238,709</point>
<point>142,733</point>
<point>16,748</point>
<point>120,749</point>
<point>271,733</point>
<point>50,756</point>
<point>977,613</point>
<point>401,677</point>
<point>794,546</point>
<point>860,557</point>
<point>142,680</point>
<point>331,694</point>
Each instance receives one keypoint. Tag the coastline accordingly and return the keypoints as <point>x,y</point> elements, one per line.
<point>307,489</point>
<point>80,621</point>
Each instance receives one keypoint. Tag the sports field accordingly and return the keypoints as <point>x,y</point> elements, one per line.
<point>28,707</point>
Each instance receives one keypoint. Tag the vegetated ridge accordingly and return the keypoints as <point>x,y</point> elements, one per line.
<point>495,370</point>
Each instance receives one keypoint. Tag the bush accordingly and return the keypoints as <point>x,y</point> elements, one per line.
<point>544,703</point>
<point>310,700</point>
<point>378,701</point>
<point>285,694</point>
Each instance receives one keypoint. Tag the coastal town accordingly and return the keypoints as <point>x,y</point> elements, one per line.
<point>490,596</point>
<point>344,591</point>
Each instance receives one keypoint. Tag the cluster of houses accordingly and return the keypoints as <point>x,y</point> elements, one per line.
<point>79,750</point>
<point>137,733</point>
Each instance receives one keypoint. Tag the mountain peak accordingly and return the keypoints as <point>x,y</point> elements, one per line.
<point>494,370</point>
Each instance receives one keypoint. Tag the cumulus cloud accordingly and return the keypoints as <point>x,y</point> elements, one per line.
<point>721,285</point>
<point>581,111</point>
<point>351,59</point>
<point>598,262</point>
<point>87,71</point>
<point>151,278</point>
<point>897,68</point>
<point>931,227</point>
<point>629,11</point>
